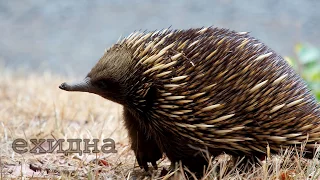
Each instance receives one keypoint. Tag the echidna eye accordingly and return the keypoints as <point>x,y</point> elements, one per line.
<point>101,83</point>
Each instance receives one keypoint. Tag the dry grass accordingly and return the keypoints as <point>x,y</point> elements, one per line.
<point>33,107</point>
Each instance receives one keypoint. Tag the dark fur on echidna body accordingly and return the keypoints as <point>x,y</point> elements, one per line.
<point>206,88</point>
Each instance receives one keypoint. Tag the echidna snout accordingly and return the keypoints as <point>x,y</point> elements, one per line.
<point>82,86</point>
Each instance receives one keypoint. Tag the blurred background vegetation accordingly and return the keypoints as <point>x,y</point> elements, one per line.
<point>68,37</point>
<point>307,63</point>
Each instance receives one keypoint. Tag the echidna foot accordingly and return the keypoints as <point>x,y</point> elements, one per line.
<point>147,151</point>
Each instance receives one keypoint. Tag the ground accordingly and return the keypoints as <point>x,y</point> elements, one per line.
<point>33,107</point>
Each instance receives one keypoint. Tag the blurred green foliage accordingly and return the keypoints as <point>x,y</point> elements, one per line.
<point>307,63</point>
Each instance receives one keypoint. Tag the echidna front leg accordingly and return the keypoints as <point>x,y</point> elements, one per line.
<point>145,149</point>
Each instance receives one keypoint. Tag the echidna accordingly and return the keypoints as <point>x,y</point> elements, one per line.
<point>210,89</point>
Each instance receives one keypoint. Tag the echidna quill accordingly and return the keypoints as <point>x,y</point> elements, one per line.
<point>210,89</point>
